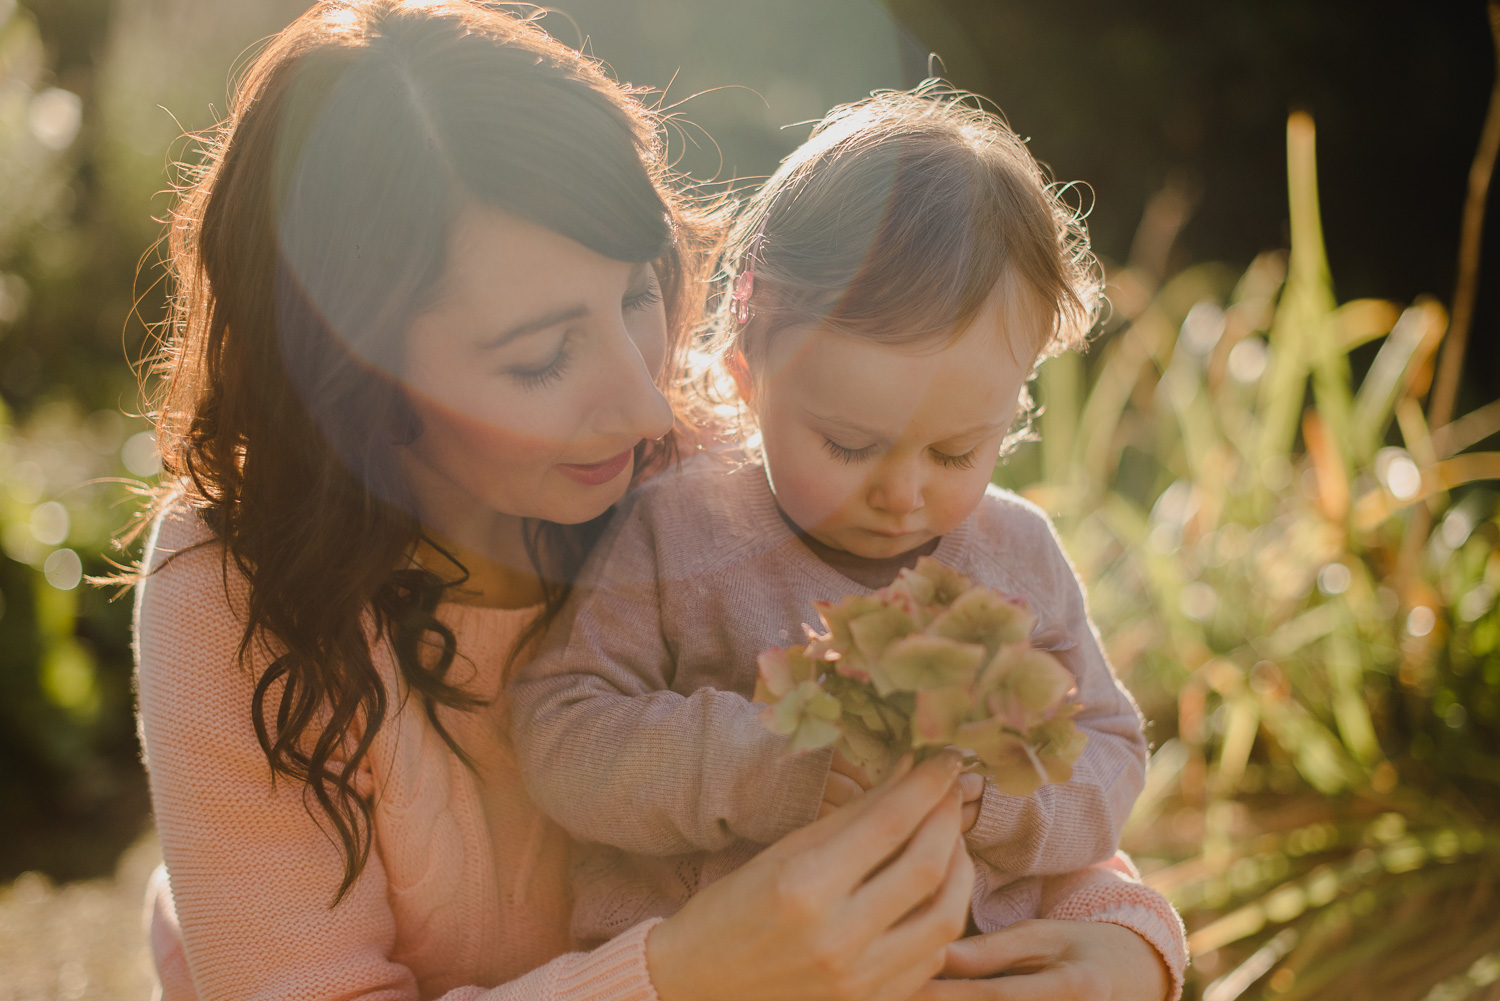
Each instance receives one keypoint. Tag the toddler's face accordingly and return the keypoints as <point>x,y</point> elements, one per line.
<point>877,449</point>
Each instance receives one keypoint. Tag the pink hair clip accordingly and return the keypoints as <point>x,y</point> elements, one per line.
<point>744,285</point>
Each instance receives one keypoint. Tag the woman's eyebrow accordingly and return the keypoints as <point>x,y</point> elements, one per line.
<point>637,277</point>
<point>533,326</point>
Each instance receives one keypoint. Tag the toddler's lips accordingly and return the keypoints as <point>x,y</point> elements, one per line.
<point>889,535</point>
<point>597,473</point>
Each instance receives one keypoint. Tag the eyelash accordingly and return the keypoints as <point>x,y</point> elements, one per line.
<point>852,455</point>
<point>552,371</point>
<point>847,455</point>
<point>649,296</point>
<point>965,461</point>
<point>535,378</point>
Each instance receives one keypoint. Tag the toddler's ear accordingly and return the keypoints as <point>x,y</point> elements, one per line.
<point>739,370</point>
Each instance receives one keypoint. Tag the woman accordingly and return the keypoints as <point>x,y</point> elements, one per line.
<point>427,282</point>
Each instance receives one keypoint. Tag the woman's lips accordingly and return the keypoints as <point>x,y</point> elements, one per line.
<point>597,473</point>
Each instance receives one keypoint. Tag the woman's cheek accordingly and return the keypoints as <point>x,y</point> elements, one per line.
<point>470,437</point>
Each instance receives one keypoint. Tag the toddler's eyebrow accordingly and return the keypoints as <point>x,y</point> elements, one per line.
<point>979,430</point>
<point>835,423</point>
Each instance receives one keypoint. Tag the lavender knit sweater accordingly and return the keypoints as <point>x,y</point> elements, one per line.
<point>634,728</point>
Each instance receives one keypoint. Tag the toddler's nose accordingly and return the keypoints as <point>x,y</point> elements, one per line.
<point>898,492</point>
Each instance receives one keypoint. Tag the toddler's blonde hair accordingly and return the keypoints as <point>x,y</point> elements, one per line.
<point>894,222</point>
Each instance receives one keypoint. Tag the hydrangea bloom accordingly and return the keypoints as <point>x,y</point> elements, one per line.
<point>932,661</point>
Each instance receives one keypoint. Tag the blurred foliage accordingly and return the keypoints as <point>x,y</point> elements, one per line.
<point>83,149</point>
<point>1302,585</point>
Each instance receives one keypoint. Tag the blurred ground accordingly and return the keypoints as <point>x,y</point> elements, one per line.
<point>81,941</point>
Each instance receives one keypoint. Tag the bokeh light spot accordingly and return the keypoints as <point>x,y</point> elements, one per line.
<point>1398,472</point>
<point>1202,327</point>
<point>63,569</point>
<point>1420,621</point>
<point>139,454</point>
<point>50,523</point>
<point>54,117</point>
<point>1334,578</point>
<point>1248,360</point>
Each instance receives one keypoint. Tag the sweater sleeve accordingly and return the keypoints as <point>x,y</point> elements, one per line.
<point>251,872</point>
<point>1063,827</point>
<point>614,755</point>
<point>1112,891</point>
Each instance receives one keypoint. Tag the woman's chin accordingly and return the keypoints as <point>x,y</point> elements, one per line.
<point>573,503</point>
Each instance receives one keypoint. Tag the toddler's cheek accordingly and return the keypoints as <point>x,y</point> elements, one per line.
<point>814,498</point>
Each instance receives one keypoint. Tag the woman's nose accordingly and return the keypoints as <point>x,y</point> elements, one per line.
<point>897,489</point>
<point>632,404</point>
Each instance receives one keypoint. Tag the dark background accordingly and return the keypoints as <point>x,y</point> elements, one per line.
<point>1128,96</point>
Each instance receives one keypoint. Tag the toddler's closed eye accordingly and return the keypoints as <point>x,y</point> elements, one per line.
<point>845,454</point>
<point>965,461</point>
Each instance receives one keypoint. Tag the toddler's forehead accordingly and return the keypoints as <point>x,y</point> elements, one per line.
<point>956,382</point>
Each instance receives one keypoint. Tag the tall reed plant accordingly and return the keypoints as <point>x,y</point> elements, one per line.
<point>1300,580</point>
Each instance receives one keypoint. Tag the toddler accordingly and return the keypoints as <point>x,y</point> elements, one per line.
<point>892,287</point>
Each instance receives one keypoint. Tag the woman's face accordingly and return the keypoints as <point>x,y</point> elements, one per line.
<point>533,374</point>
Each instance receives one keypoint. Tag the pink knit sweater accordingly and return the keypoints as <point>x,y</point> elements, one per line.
<point>465,893</point>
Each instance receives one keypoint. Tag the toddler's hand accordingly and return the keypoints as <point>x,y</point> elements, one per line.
<point>845,782</point>
<point>971,790</point>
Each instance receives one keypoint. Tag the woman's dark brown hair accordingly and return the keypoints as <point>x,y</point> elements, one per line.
<point>300,251</point>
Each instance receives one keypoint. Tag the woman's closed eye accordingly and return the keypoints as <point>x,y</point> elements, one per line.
<point>644,298</point>
<point>546,372</point>
<point>534,376</point>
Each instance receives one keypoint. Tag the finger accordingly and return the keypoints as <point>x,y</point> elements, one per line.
<point>971,787</point>
<point>841,850</point>
<point>945,915</point>
<point>1048,985</point>
<point>858,773</point>
<point>914,950</point>
<point>1023,945</point>
<point>840,790</point>
<point>957,990</point>
<point>918,872</point>
<point>970,816</point>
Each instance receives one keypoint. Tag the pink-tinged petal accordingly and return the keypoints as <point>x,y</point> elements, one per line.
<point>1023,684</point>
<point>836,617</point>
<point>1004,757</point>
<point>862,745</point>
<point>913,587</point>
<point>775,675</point>
<point>920,662</point>
<point>876,630</point>
<point>1059,743</point>
<point>940,712</point>
<point>812,733</point>
<point>947,582</point>
<point>981,615</point>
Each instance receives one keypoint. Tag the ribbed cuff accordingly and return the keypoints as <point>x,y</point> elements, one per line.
<point>790,796</point>
<point>616,971</point>
<point>1143,911</point>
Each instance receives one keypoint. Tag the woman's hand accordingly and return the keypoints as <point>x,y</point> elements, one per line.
<point>1053,961</point>
<point>846,781</point>
<point>859,906</point>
